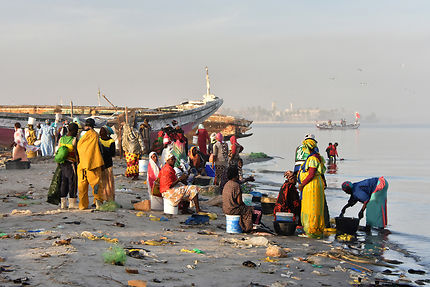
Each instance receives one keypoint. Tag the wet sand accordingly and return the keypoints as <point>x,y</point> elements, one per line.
<point>34,258</point>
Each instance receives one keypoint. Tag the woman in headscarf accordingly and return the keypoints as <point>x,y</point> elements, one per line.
<point>311,183</point>
<point>30,136</point>
<point>202,138</point>
<point>47,139</point>
<point>196,160</point>
<point>19,144</point>
<point>107,184</point>
<point>211,143</point>
<point>132,144</point>
<point>172,188</point>
<point>235,150</point>
<point>372,192</point>
<point>220,155</point>
<point>153,171</point>
<point>288,197</point>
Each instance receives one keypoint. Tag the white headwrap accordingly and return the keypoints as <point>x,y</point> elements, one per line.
<point>168,154</point>
<point>201,126</point>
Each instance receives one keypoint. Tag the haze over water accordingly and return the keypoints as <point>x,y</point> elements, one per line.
<point>392,151</point>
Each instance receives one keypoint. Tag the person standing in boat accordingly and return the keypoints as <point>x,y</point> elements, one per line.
<point>47,139</point>
<point>202,139</point>
<point>372,192</point>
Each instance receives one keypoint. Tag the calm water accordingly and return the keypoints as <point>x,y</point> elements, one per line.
<point>395,152</point>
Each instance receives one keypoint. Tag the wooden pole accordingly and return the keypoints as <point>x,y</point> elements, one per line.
<point>71,110</point>
<point>108,101</point>
<point>126,115</point>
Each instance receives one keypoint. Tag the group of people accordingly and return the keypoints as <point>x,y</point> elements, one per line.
<point>310,205</point>
<point>173,166</point>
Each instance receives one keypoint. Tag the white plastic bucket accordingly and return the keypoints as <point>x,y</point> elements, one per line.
<point>195,139</point>
<point>232,224</point>
<point>143,166</point>
<point>157,203</point>
<point>169,208</point>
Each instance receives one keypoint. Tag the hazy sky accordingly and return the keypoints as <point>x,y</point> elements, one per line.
<point>367,56</point>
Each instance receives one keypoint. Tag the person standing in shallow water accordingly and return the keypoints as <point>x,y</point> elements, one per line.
<point>69,169</point>
<point>372,192</point>
<point>311,183</point>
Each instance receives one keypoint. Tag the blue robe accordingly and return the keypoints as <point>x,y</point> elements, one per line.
<point>47,140</point>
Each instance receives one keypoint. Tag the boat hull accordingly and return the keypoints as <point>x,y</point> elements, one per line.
<point>347,127</point>
<point>188,115</point>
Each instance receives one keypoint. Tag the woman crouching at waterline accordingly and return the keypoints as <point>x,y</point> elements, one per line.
<point>232,203</point>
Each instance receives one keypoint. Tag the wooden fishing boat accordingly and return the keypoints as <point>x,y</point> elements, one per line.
<point>187,114</point>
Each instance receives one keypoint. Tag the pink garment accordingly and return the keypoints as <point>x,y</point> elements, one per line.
<point>20,147</point>
<point>203,137</point>
<point>152,173</point>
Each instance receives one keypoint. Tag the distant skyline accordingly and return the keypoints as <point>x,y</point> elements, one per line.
<point>367,56</point>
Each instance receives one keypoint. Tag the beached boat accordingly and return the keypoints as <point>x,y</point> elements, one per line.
<point>227,125</point>
<point>188,115</point>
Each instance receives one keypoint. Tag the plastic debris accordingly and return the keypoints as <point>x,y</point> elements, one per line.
<point>115,255</point>
<point>21,212</point>
<point>109,206</point>
<point>131,271</point>
<point>319,273</point>
<point>345,237</point>
<point>275,251</point>
<point>257,241</point>
<point>155,218</point>
<point>91,236</point>
<point>136,283</point>
<point>63,242</point>
<point>212,216</point>
<point>196,219</point>
<point>195,250</point>
<point>249,264</point>
<point>267,259</point>
<point>206,232</point>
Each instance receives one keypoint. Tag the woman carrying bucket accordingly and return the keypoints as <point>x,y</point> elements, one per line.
<point>372,192</point>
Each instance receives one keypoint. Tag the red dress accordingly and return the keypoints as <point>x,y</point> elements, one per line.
<point>203,136</point>
<point>167,176</point>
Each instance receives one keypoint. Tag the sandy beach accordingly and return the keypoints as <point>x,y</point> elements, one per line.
<point>31,226</point>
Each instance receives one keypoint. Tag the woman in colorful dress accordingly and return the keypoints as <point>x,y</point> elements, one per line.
<point>311,183</point>
<point>235,150</point>
<point>372,192</point>
<point>153,171</point>
<point>173,189</point>
<point>288,198</point>
<point>107,183</point>
<point>132,144</point>
<point>202,139</point>
<point>220,155</point>
<point>30,136</point>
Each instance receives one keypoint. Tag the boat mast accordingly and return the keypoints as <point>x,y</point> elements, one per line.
<point>98,96</point>
<point>208,84</point>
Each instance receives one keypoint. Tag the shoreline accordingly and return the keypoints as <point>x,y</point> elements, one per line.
<point>31,251</point>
